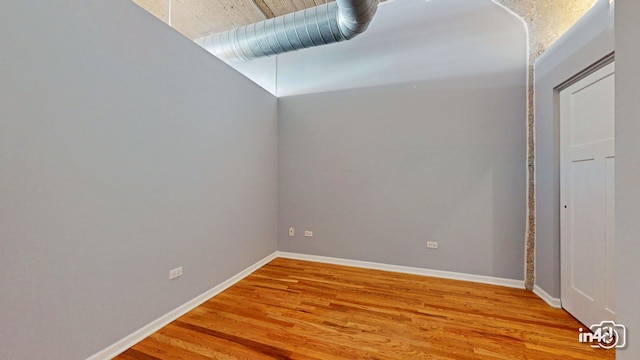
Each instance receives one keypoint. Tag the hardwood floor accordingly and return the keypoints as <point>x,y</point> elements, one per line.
<point>292,309</point>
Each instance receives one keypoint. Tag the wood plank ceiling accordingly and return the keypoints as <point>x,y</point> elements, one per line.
<point>197,18</point>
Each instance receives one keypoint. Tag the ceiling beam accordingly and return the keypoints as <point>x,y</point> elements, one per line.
<point>264,9</point>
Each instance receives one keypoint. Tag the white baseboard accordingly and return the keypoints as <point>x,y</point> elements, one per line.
<point>139,335</point>
<point>164,320</point>
<point>407,270</point>
<point>553,302</point>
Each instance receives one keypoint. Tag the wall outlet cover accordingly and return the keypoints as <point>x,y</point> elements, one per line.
<point>174,273</point>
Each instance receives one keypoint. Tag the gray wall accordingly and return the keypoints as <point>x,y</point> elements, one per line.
<point>125,151</point>
<point>376,173</point>
<point>588,41</point>
<point>628,174</point>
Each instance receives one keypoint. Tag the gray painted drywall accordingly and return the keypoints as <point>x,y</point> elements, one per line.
<point>628,174</point>
<point>376,173</point>
<point>585,43</point>
<point>125,150</point>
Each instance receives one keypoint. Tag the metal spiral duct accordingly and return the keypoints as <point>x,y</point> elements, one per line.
<point>320,25</point>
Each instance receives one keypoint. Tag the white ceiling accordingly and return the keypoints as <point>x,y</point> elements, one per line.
<point>408,41</point>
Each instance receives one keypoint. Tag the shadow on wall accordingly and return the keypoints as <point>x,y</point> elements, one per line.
<point>378,172</point>
<point>591,39</point>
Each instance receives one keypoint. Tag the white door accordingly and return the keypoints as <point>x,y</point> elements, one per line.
<point>587,145</point>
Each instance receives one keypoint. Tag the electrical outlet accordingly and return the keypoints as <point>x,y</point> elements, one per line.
<point>175,273</point>
<point>308,233</point>
<point>432,245</point>
<point>292,232</point>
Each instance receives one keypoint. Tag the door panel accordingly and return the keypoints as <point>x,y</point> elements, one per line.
<point>585,226</point>
<point>587,164</point>
<point>591,128</point>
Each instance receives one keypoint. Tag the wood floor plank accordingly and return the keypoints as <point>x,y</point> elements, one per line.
<point>164,350</point>
<point>291,309</point>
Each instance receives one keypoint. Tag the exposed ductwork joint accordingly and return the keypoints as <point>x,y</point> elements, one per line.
<point>320,25</point>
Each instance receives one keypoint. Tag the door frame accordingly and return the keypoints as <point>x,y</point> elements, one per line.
<point>597,66</point>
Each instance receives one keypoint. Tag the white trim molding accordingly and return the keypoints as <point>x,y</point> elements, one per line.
<point>553,302</point>
<point>137,336</point>
<point>406,269</point>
